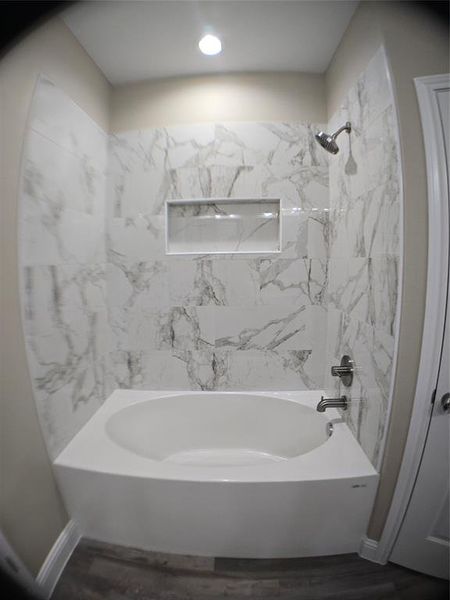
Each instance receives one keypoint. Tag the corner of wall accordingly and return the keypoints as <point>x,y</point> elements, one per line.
<point>359,43</point>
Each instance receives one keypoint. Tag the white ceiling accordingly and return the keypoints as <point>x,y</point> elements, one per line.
<point>137,40</point>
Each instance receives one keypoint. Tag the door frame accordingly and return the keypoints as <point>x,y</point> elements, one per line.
<point>435,306</point>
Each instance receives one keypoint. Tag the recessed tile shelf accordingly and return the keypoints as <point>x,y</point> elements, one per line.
<point>223,226</point>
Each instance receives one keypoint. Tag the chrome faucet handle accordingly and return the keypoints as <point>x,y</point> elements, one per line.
<point>344,371</point>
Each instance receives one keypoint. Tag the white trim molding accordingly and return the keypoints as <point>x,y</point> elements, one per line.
<point>13,565</point>
<point>398,307</point>
<point>57,558</point>
<point>369,549</point>
<point>438,245</point>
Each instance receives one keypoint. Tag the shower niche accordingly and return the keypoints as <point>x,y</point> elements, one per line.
<point>223,226</point>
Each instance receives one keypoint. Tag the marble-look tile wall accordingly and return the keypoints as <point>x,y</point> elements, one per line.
<point>63,263</point>
<point>106,307</point>
<point>365,251</point>
<point>222,322</point>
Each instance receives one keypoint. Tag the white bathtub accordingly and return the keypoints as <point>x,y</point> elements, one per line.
<point>218,474</point>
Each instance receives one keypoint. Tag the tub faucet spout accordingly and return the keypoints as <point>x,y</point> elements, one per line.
<point>325,403</point>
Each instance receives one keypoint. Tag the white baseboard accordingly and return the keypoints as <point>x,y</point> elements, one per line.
<point>57,558</point>
<point>369,550</point>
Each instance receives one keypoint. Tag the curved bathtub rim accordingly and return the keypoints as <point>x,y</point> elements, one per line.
<point>91,450</point>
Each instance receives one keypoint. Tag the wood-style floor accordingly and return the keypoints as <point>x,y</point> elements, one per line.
<point>98,571</point>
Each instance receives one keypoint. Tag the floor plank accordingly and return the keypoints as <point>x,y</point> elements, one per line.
<point>98,571</point>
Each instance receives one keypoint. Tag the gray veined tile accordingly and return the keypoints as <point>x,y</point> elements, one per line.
<point>383,275</point>
<point>376,81</point>
<point>69,386</point>
<point>382,220</point>
<point>252,144</point>
<point>313,370</point>
<point>59,293</point>
<point>137,178</point>
<point>295,230</point>
<point>140,284</point>
<point>189,145</point>
<point>305,233</point>
<point>127,368</point>
<point>205,369</point>
<point>237,280</point>
<point>62,238</point>
<point>293,280</point>
<point>264,369</point>
<point>57,117</point>
<point>187,328</point>
<point>59,353</point>
<point>368,225</point>
<point>174,369</point>
<point>179,328</point>
<point>340,192</point>
<point>248,144</point>
<point>298,187</point>
<point>63,413</point>
<point>381,148</point>
<point>138,238</point>
<point>196,283</point>
<point>54,174</point>
<point>383,360</point>
<point>52,234</point>
<point>318,234</point>
<point>272,328</point>
<point>139,149</point>
<point>333,349</point>
<point>138,191</point>
<point>371,427</point>
<point>214,182</point>
<point>349,289</point>
<point>366,289</point>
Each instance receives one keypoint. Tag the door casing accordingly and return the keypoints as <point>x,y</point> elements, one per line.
<point>434,321</point>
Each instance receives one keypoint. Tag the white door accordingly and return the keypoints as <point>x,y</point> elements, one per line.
<point>423,540</point>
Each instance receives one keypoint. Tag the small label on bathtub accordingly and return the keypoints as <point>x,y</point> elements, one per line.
<point>359,485</point>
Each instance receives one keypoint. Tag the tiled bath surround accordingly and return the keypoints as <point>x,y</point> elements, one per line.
<point>63,263</point>
<point>217,321</point>
<point>105,307</point>
<point>365,251</point>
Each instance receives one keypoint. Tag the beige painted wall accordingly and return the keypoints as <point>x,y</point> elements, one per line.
<point>360,42</point>
<point>416,45</point>
<point>237,97</point>
<point>31,511</point>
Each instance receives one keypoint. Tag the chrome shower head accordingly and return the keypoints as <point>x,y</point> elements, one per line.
<point>328,142</point>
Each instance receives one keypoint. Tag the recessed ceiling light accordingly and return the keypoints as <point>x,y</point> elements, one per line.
<point>210,45</point>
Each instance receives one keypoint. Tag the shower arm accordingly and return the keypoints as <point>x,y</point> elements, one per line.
<point>347,127</point>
